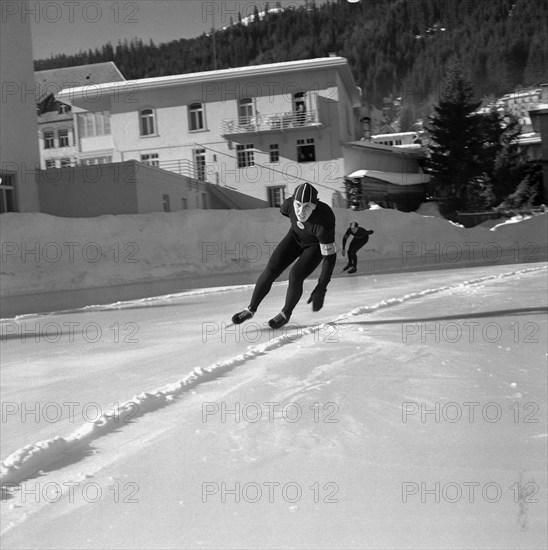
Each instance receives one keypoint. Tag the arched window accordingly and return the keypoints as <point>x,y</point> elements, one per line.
<point>196,119</point>
<point>147,122</point>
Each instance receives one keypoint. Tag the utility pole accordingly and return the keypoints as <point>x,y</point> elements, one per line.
<point>214,44</point>
<point>214,49</point>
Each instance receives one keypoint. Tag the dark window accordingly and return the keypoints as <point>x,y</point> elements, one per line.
<point>276,196</point>
<point>245,155</point>
<point>49,139</point>
<point>199,164</point>
<point>306,151</point>
<point>63,138</point>
<point>274,152</point>
<point>7,193</point>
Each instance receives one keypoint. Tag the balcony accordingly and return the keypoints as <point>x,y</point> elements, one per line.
<point>270,122</point>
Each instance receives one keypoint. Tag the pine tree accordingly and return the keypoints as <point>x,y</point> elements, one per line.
<point>507,161</point>
<point>389,44</point>
<point>455,151</point>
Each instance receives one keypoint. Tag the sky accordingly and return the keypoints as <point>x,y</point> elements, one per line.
<point>410,412</point>
<point>67,26</point>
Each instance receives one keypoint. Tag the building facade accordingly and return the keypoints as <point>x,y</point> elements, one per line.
<point>130,187</point>
<point>19,156</point>
<point>519,103</point>
<point>388,175</point>
<point>260,130</point>
<point>56,135</point>
<point>539,120</point>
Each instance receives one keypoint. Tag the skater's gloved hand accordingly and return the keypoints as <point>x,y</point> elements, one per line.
<point>317,297</point>
<point>343,252</point>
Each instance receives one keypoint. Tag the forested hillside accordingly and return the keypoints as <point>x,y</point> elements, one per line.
<point>395,48</point>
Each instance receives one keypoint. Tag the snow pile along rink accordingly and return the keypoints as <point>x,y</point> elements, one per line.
<point>43,253</point>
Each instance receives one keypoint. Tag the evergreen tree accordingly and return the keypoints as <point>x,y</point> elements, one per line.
<point>455,151</point>
<point>529,191</point>
<point>387,42</point>
<point>507,162</point>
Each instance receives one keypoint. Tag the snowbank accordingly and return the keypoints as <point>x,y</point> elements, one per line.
<point>46,253</point>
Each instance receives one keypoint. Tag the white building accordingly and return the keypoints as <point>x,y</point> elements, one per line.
<point>398,139</point>
<point>55,121</point>
<point>260,130</point>
<point>519,103</point>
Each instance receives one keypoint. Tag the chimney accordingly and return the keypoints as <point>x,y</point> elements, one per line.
<point>544,93</point>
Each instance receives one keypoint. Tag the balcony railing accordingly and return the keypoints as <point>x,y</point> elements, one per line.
<point>269,122</point>
<point>196,176</point>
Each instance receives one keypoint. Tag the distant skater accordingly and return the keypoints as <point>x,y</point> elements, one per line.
<point>360,236</point>
<point>309,242</point>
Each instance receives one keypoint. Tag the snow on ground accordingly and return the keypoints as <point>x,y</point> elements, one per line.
<point>410,412</point>
<point>42,253</point>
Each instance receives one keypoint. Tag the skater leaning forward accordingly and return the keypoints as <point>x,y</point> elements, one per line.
<point>360,236</point>
<point>309,242</point>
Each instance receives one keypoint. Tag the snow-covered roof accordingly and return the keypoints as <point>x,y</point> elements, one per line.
<point>340,63</point>
<point>397,178</point>
<point>52,81</point>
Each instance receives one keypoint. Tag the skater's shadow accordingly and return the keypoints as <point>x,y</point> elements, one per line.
<point>476,315</point>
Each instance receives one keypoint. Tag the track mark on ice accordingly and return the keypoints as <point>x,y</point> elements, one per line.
<point>416,295</point>
<point>138,303</point>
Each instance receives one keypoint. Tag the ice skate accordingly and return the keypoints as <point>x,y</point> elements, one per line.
<point>279,321</point>
<point>239,318</point>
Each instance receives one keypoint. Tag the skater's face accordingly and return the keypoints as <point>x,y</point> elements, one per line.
<point>303,210</point>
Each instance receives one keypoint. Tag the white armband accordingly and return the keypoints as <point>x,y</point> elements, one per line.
<point>328,249</point>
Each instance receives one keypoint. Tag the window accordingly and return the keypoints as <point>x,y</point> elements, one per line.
<point>147,122</point>
<point>49,140</point>
<point>50,163</point>
<point>7,193</point>
<point>306,151</point>
<point>199,164</point>
<point>274,152</point>
<point>184,204</point>
<point>96,160</point>
<point>152,159</point>
<point>276,196</point>
<point>165,201</point>
<point>299,104</point>
<point>63,136</point>
<point>245,111</point>
<point>94,124</point>
<point>63,109</point>
<point>196,119</point>
<point>245,155</point>
<point>65,162</point>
